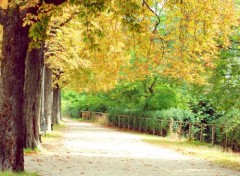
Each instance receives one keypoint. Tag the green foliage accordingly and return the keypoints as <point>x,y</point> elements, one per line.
<point>230,124</point>
<point>163,98</point>
<point>70,105</point>
<point>151,121</point>
<point>225,80</point>
<point>205,111</point>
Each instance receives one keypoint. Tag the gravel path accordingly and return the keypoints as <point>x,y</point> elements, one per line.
<point>89,150</point>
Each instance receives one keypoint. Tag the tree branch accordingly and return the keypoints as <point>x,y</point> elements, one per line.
<point>55,2</point>
<point>150,88</point>
<point>3,15</point>
<point>69,19</point>
<point>149,8</point>
<point>155,13</point>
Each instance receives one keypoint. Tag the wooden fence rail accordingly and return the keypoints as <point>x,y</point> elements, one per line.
<point>160,127</point>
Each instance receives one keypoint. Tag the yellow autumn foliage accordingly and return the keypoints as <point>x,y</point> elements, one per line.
<point>133,40</point>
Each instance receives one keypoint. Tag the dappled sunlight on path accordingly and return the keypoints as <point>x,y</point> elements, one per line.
<point>88,149</point>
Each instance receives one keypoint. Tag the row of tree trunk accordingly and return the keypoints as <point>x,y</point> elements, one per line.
<point>42,101</point>
<point>23,106</point>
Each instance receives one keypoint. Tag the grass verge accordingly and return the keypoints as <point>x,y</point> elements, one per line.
<point>31,151</point>
<point>206,151</point>
<point>55,134</point>
<point>17,174</point>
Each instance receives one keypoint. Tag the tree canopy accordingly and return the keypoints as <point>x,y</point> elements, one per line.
<point>104,42</point>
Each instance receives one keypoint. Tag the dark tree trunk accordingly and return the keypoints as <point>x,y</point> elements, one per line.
<point>56,104</point>
<point>32,96</point>
<point>15,45</point>
<point>48,97</point>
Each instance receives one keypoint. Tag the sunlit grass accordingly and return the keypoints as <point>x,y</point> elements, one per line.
<point>202,150</point>
<point>59,127</point>
<point>17,174</point>
<point>31,151</point>
<point>56,133</point>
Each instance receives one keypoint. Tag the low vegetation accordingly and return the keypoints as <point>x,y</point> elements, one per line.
<point>18,174</point>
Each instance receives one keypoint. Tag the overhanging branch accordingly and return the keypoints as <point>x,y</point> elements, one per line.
<point>158,18</point>
<point>2,15</point>
<point>55,2</point>
<point>69,19</point>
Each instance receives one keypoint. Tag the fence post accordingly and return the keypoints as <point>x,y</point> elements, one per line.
<point>153,127</point>
<point>201,133</point>
<point>118,121</point>
<point>226,142</point>
<point>114,120</point>
<point>134,123</point>
<point>146,121</point>
<point>123,122</point>
<point>170,130</point>
<point>180,131</point>
<point>161,131</point>
<point>190,132</point>
<point>213,134</point>
<point>139,125</point>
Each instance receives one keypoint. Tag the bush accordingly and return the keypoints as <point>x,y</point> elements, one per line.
<point>150,120</point>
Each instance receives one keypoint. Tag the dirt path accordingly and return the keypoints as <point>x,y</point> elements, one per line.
<point>89,150</point>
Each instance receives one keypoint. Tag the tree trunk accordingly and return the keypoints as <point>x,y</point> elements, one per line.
<point>56,104</point>
<point>15,45</point>
<point>48,97</point>
<point>32,97</point>
<point>60,105</point>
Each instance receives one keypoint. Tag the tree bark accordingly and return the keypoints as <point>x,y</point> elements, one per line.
<point>60,105</point>
<point>2,15</point>
<point>56,104</point>
<point>15,45</point>
<point>32,96</point>
<point>48,97</point>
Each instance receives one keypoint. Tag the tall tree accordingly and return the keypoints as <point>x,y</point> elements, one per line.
<point>32,96</point>
<point>15,45</point>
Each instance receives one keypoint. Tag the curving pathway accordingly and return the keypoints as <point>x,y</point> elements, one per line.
<point>90,150</point>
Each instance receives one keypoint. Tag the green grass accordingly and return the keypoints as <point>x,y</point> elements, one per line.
<point>59,127</point>
<point>206,151</point>
<point>31,151</point>
<point>17,174</point>
<point>55,134</point>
